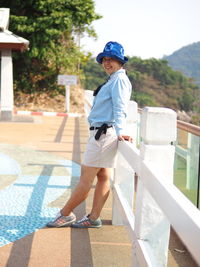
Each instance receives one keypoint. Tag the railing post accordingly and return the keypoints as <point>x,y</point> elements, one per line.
<point>124,178</point>
<point>192,161</point>
<point>88,101</point>
<point>158,130</point>
<point>123,173</point>
<point>131,121</point>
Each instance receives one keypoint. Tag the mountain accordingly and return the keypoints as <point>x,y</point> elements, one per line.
<point>187,60</point>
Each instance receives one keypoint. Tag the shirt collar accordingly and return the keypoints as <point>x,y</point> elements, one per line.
<point>113,75</point>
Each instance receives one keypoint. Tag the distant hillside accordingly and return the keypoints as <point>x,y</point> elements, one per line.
<point>154,83</point>
<point>187,60</point>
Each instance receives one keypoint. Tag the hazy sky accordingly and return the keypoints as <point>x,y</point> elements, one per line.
<point>146,28</point>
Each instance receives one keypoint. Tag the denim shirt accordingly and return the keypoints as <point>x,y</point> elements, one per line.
<point>110,104</point>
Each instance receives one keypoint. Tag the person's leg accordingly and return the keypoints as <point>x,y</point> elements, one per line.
<point>82,189</point>
<point>101,193</point>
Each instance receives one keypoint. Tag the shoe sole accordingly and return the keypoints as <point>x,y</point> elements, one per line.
<point>68,224</point>
<point>85,226</point>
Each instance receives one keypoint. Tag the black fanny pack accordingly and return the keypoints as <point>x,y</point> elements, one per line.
<point>101,130</point>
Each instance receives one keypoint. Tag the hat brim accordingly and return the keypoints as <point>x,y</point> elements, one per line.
<point>100,57</point>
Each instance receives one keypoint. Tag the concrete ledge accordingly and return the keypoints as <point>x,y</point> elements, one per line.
<point>6,115</point>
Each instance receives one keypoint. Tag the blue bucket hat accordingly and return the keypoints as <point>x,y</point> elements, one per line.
<point>113,50</point>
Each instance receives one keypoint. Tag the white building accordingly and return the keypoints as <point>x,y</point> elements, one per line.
<point>8,42</point>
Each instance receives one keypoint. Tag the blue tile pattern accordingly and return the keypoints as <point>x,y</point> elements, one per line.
<point>26,203</point>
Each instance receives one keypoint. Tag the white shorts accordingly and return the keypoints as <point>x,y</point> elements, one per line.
<point>101,153</point>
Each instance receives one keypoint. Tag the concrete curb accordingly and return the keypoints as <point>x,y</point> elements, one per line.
<point>46,113</point>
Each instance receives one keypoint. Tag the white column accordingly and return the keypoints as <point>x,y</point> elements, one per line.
<point>158,130</point>
<point>6,85</point>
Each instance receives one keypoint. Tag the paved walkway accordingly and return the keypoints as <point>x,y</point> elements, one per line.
<point>40,159</point>
<point>39,166</point>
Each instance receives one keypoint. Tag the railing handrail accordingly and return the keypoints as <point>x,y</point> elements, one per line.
<point>186,126</point>
<point>191,128</point>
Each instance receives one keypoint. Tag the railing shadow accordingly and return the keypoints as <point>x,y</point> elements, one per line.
<point>81,254</point>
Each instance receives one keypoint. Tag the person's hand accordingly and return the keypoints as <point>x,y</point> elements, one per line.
<point>125,138</point>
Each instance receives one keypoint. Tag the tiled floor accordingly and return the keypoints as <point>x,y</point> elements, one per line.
<point>27,204</point>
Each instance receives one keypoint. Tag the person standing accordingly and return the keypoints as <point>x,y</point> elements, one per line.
<point>107,126</point>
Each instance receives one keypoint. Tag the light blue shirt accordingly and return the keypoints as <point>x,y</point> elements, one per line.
<point>111,103</point>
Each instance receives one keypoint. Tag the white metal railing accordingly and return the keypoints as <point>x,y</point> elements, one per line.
<point>157,203</point>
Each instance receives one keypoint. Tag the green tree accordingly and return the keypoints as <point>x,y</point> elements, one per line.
<point>143,99</point>
<point>94,75</point>
<point>187,100</point>
<point>52,27</point>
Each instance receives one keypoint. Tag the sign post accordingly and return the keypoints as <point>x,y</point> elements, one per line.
<point>67,80</point>
<point>67,97</point>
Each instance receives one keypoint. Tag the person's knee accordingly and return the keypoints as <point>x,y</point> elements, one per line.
<point>87,176</point>
<point>103,175</point>
<point>85,186</point>
<point>85,183</point>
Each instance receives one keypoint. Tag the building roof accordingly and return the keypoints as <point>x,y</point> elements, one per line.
<point>9,40</point>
